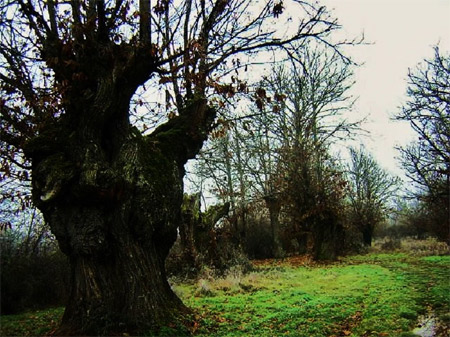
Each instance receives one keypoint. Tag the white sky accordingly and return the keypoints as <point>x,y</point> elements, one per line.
<point>403,33</point>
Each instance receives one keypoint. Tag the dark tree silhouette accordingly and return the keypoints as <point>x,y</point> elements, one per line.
<point>371,188</point>
<point>70,71</point>
<point>427,160</point>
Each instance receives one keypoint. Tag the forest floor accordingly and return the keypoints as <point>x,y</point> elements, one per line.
<point>379,294</point>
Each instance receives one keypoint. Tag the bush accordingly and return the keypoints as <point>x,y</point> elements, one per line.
<point>220,255</point>
<point>391,245</point>
<point>427,247</point>
<point>226,254</point>
<point>33,282</point>
<point>258,242</point>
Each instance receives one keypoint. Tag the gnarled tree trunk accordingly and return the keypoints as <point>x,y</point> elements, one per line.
<point>367,233</point>
<point>197,233</point>
<point>112,197</point>
<point>116,220</point>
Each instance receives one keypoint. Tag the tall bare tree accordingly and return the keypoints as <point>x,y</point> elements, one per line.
<point>371,189</point>
<point>283,149</point>
<point>309,99</point>
<point>427,160</point>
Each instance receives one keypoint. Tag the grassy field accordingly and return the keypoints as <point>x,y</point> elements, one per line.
<point>370,295</point>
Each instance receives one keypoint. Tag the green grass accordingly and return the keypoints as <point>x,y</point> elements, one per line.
<point>370,295</point>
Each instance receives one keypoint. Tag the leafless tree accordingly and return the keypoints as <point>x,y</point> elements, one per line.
<point>427,160</point>
<point>282,151</point>
<point>371,189</point>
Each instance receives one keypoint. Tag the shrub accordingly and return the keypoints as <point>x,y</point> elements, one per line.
<point>427,247</point>
<point>221,255</point>
<point>33,282</point>
<point>203,289</point>
<point>258,243</point>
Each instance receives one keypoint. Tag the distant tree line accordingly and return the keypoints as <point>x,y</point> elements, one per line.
<point>288,192</point>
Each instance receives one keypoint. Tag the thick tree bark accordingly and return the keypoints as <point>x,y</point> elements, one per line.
<point>116,220</point>
<point>112,197</point>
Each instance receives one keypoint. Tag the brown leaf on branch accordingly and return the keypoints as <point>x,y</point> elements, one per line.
<point>278,9</point>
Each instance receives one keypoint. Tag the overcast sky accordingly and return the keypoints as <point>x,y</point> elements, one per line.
<point>403,33</point>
